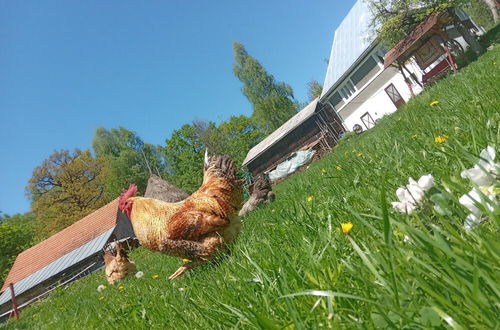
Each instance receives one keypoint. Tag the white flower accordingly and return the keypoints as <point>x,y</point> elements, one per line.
<point>471,221</point>
<point>426,182</point>
<point>484,172</point>
<point>413,193</point>
<point>473,197</point>
<point>100,288</point>
<point>416,192</point>
<point>470,199</point>
<point>404,207</point>
<point>139,274</point>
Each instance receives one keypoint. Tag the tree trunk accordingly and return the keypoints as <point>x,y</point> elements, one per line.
<point>464,32</point>
<point>494,8</point>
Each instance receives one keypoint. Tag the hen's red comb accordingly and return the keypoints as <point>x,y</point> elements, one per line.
<point>132,189</point>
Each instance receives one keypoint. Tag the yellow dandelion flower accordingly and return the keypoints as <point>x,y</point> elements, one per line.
<point>101,298</point>
<point>414,136</point>
<point>440,138</point>
<point>346,227</point>
<point>155,276</point>
<point>338,168</point>
<point>310,198</point>
<point>186,260</point>
<point>434,103</point>
<point>121,287</point>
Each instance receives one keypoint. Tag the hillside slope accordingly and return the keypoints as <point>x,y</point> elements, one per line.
<point>294,267</point>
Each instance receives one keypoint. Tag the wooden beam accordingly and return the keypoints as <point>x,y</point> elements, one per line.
<point>14,303</point>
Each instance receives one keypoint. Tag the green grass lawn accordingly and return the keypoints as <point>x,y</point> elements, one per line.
<point>293,268</point>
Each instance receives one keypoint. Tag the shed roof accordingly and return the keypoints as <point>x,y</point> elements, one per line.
<point>67,240</point>
<point>352,38</point>
<point>416,38</point>
<point>282,131</point>
<point>59,265</point>
<point>161,189</point>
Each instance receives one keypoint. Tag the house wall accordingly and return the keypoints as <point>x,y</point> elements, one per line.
<point>378,103</point>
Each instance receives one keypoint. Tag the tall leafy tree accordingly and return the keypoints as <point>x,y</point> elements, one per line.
<point>128,159</point>
<point>494,7</point>
<point>395,19</point>
<point>484,12</point>
<point>16,235</point>
<point>207,134</point>
<point>185,148</point>
<point>184,151</point>
<point>314,89</point>
<point>238,135</point>
<point>273,102</point>
<point>65,188</point>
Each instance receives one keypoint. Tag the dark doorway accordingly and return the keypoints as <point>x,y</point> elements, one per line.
<point>394,95</point>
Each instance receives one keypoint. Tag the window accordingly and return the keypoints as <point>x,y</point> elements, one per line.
<point>365,72</point>
<point>336,100</point>
<point>347,90</point>
<point>380,54</point>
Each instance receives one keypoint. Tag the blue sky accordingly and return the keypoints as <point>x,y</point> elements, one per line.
<point>67,67</point>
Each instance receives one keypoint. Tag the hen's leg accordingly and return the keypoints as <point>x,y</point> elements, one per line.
<point>200,252</point>
<point>185,267</point>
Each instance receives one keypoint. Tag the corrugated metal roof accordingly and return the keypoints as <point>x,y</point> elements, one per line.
<point>351,39</point>
<point>63,242</point>
<point>281,132</point>
<point>58,266</point>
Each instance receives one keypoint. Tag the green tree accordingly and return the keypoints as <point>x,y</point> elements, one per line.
<point>494,8</point>
<point>482,14</point>
<point>185,148</point>
<point>238,135</point>
<point>314,90</point>
<point>128,159</point>
<point>65,188</point>
<point>16,235</point>
<point>184,152</point>
<point>207,135</point>
<point>272,101</point>
<point>395,19</point>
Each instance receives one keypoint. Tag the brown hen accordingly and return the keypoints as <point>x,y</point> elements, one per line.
<point>119,266</point>
<point>195,228</point>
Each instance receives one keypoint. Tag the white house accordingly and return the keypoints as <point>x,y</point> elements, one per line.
<point>360,87</point>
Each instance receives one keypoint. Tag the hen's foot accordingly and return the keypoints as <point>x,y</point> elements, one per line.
<point>184,268</point>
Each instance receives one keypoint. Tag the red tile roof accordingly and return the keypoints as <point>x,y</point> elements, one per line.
<point>68,239</point>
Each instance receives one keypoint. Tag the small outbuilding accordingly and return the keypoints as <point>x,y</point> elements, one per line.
<point>316,126</point>
<point>64,257</point>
